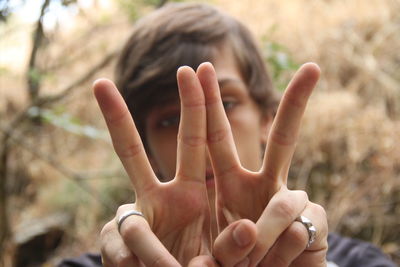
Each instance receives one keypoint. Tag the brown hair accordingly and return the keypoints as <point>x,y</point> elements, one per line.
<point>185,34</point>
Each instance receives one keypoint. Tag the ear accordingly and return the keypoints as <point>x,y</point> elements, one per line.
<point>266,123</point>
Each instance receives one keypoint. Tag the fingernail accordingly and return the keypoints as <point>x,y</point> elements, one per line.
<point>240,235</point>
<point>243,263</point>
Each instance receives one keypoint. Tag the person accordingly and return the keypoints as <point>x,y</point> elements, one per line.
<point>198,129</point>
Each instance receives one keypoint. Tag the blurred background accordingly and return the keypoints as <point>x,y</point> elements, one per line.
<point>60,180</point>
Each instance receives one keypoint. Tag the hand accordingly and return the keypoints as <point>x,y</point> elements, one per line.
<point>263,196</point>
<point>177,213</point>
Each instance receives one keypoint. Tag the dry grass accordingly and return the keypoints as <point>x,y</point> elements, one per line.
<point>348,157</point>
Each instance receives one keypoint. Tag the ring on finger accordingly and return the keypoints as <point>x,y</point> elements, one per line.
<point>119,220</point>
<point>312,231</point>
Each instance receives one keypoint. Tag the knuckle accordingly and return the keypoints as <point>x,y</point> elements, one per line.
<point>107,229</point>
<point>284,209</point>
<point>322,226</point>
<point>124,208</point>
<point>218,135</point>
<point>190,176</point>
<point>318,209</point>
<point>212,98</point>
<point>129,151</point>
<point>283,138</point>
<point>297,234</point>
<point>132,228</point>
<point>192,141</point>
<point>298,196</point>
<point>196,103</point>
<point>302,195</point>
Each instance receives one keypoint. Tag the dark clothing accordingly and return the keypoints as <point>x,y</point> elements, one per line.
<point>348,252</point>
<point>86,260</point>
<point>343,252</point>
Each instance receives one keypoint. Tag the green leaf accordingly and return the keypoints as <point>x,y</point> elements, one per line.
<point>67,122</point>
<point>279,61</point>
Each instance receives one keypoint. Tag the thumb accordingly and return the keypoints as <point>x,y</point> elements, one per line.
<point>203,261</point>
<point>235,242</point>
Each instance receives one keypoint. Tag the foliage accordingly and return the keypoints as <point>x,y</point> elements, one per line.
<point>62,119</point>
<point>132,8</point>
<point>279,61</point>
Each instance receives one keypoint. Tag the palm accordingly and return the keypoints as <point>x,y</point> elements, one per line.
<point>183,224</point>
<point>254,193</point>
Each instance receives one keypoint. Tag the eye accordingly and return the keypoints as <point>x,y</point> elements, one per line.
<point>229,104</point>
<point>169,121</point>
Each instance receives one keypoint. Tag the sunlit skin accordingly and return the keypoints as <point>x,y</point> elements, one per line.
<point>221,134</point>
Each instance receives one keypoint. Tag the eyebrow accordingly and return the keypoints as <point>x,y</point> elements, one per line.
<point>226,81</point>
<point>223,82</point>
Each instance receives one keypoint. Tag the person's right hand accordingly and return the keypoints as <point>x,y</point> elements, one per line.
<point>256,212</point>
<point>176,223</point>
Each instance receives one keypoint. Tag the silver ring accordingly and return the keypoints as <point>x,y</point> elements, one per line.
<point>125,215</point>
<point>312,231</point>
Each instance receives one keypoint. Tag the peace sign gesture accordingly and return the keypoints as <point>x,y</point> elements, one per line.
<point>177,214</point>
<point>263,196</point>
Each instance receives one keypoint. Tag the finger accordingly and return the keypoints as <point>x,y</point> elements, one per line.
<point>234,243</point>
<point>284,207</point>
<point>285,128</point>
<point>293,241</point>
<point>316,253</point>
<point>203,261</point>
<point>125,138</point>
<point>114,252</point>
<point>192,127</point>
<point>221,145</point>
<point>288,246</point>
<point>138,237</point>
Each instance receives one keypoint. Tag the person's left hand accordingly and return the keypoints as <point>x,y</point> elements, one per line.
<point>177,212</point>
<point>274,238</point>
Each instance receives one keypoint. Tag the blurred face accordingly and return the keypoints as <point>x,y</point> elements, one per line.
<point>249,126</point>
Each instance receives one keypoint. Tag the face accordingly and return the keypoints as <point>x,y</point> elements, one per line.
<point>249,126</point>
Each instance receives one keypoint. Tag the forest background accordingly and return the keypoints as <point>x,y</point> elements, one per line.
<point>60,180</point>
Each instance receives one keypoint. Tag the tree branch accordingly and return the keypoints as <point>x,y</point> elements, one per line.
<point>17,121</point>
<point>32,72</point>
<point>84,78</point>
<point>33,88</point>
<point>78,178</point>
